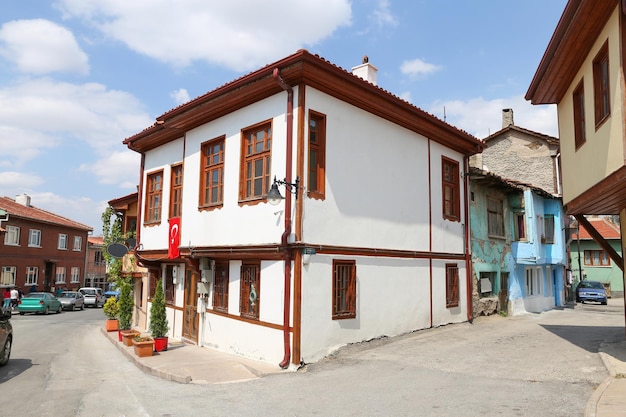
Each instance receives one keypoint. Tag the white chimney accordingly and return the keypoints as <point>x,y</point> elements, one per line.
<point>23,199</point>
<point>507,118</point>
<point>366,71</point>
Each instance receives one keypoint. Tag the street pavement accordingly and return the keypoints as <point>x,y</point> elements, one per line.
<point>184,363</point>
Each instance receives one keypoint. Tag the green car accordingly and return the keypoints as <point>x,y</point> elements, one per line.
<point>40,303</point>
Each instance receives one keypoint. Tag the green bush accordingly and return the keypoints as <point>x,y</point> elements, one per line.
<point>111,308</point>
<point>126,304</point>
<point>158,316</point>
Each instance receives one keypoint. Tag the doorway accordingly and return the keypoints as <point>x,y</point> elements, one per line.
<point>190,313</point>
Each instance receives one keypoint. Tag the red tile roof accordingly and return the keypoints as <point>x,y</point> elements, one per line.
<point>604,226</point>
<point>16,209</point>
<point>95,240</point>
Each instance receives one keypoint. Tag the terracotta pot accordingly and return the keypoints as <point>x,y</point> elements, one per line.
<point>160,344</point>
<point>143,349</point>
<point>128,336</point>
<point>112,325</point>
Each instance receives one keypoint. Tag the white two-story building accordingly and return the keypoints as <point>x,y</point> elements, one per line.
<point>369,240</point>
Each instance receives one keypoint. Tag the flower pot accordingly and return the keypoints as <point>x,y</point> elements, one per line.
<point>144,348</point>
<point>128,335</point>
<point>112,325</point>
<point>160,344</point>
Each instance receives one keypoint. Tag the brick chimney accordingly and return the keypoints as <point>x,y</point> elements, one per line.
<point>366,71</point>
<point>507,118</point>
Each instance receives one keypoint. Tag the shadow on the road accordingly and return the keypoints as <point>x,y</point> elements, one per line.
<point>588,337</point>
<point>14,368</point>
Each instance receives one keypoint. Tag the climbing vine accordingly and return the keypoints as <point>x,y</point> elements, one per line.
<point>112,233</point>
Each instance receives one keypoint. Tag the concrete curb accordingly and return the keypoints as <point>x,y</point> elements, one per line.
<point>591,408</point>
<point>128,352</point>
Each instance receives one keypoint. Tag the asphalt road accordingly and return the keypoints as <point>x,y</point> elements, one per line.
<point>535,365</point>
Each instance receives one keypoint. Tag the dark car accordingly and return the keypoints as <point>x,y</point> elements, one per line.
<point>6,336</point>
<point>591,291</point>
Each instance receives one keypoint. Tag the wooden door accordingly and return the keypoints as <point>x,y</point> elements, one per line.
<point>190,314</point>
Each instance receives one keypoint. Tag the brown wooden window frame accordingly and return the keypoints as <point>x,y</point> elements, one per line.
<point>254,185</point>
<point>220,287</point>
<point>452,285</point>
<point>495,217</point>
<point>212,173</point>
<point>169,289</point>
<point>450,189</point>
<point>176,191</point>
<point>344,289</point>
<point>317,155</point>
<point>520,226</point>
<point>601,85</point>
<point>603,257</point>
<point>154,197</point>
<point>250,278</point>
<point>580,132</point>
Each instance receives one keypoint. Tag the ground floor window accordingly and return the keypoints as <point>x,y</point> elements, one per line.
<point>8,275</point>
<point>60,275</point>
<point>452,285</point>
<point>75,275</point>
<point>487,284</point>
<point>344,289</point>
<point>533,281</point>
<point>250,292</point>
<point>32,273</point>
<point>220,288</point>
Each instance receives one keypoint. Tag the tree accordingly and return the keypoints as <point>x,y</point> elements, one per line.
<point>158,318</point>
<point>112,233</point>
<point>126,303</point>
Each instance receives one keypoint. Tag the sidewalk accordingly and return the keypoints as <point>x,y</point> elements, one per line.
<point>190,364</point>
<point>609,399</point>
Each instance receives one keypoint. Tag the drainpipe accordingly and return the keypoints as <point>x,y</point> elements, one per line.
<point>468,248</point>
<point>283,241</point>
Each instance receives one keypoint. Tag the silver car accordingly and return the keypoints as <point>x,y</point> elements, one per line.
<point>72,300</point>
<point>93,296</point>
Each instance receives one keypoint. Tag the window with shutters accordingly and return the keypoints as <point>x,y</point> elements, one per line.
<point>344,289</point>
<point>250,291</point>
<point>580,134</point>
<point>495,217</point>
<point>452,285</point>
<point>256,162</point>
<point>220,288</point>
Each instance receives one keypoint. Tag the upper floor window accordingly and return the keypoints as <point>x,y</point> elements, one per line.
<point>12,236</point>
<point>344,289</point>
<point>250,291</point>
<point>495,217</point>
<point>212,173</point>
<point>580,135</point>
<point>597,258</point>
<point>154,194</point>
<point>8,276</point>
<point>548,228</point>
<point>317,154</point>
<point>451,189</point>
<point>34,238</point>
<point>601,93</point>
<point>98,258</point>
<point>176,191</point>
<point>78,243</point>
<point>452,285</point>
<point>220,288</point>
<point>62,241</point>
<point>256,162</point>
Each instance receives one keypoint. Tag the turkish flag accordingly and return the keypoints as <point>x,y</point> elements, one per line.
<point>174,239</point>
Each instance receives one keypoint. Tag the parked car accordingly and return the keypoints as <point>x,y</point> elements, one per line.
<point>94,296</point>
<point>39,302</point>
<point>6,335</point>
<point>71,300</point>
<point>590,291</point>
<point>109,294</point>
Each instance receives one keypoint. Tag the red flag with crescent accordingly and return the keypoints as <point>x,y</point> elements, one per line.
<point>174,239</point>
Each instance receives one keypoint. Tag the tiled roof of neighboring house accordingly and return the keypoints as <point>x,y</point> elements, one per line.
<point>123,202</point>
<point>604,226</point>
<point>16,209</point>
<point>550,139</point>
<point>95,240</point>
<point>479,174</point>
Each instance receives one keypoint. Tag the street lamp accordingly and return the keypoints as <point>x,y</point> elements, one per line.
<point>274,196</point>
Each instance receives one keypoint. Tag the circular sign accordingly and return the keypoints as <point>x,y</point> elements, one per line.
<point>117,250</point>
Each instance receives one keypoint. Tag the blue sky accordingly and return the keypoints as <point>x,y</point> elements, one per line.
<point>77,77</point>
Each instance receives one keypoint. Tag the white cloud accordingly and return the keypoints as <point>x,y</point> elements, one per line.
<point>12,181</point>
<point>180,96</point>
<point>482,118</point>
<point>79,209</point>
<point>238,34</point>
<point>417,67</point>
<point>382,14</point>
<point>40,47</point>
<point>119,168</point>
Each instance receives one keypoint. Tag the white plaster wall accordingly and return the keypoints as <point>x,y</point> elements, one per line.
<point>441,313</point>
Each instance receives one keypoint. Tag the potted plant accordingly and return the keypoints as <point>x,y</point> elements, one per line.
<point>111,309</point>
<point>126,312</point>
<point>143,345</point>
<point>158,319</point>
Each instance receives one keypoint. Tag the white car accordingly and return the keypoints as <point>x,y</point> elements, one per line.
<point>94,296</point>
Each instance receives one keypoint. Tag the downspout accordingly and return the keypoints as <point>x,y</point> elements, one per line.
<point>283,240</point>
<point>139,208</point>
<point>468,248</point>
